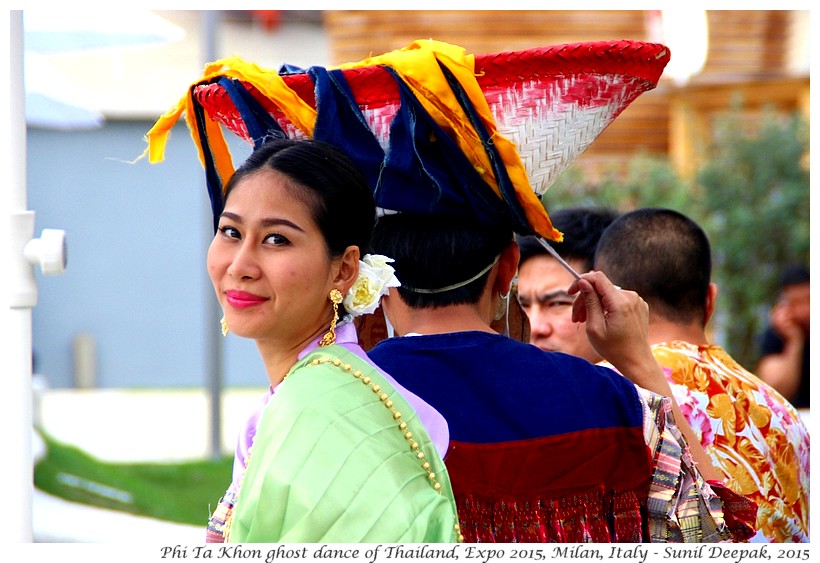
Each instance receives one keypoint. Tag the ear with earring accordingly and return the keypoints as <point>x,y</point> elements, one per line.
<point>503,310</point>
<point>330,336</point>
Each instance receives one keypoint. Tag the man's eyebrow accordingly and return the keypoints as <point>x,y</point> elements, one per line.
<point>544,297</point>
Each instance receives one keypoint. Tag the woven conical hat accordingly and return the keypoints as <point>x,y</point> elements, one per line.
<point>546,104</point>
<point>552,102</point>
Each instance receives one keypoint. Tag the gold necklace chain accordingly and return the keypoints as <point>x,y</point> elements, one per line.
<point>397,416</point>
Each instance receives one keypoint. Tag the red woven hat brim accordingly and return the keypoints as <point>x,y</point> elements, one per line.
<point>551,102</point>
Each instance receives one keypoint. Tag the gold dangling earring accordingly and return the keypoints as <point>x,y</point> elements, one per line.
<point>223,324</point>
<point>330,336</point>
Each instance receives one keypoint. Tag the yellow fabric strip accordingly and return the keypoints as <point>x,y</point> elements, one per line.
<point>219,149</point>
<point>268,82</point>
<point>418,65</point>
<point>272,86</point>
<point>157,136</point>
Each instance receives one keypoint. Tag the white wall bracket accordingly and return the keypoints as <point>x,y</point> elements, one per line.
<point>49,252</point>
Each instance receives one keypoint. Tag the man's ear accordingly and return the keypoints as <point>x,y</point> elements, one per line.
<point>711,300</point>
<point>507,267</point>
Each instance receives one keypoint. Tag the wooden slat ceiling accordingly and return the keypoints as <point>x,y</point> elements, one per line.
<point>355,35</point>
<point>744,45</point>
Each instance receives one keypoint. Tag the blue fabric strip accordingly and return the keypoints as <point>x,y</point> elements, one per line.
<point>426,172</point>
<point>212,180</point>
<point>520,222</point>
<point>260,124</point>
<point>340,122</point>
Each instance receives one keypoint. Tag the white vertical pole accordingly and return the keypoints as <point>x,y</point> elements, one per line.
<point>23,296</point>
<point>213,312</point>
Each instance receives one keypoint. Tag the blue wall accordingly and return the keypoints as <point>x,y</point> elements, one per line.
<point>137,237</point>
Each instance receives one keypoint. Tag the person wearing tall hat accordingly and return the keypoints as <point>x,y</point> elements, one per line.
<point>542,447</point>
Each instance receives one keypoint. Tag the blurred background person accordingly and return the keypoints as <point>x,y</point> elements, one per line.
<point>753,435</point>
<point>543,281</point>
<point>784,345</point>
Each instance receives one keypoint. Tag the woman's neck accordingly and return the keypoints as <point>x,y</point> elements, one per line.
<point>279,357</point>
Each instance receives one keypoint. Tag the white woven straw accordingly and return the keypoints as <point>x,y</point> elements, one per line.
<point>550,126</point>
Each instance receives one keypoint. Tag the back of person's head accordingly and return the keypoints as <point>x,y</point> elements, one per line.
<point>327,181</point>
<point>663,256</point>
<point>581,226</point>
<point>794,274</point>
<point>437,256</point>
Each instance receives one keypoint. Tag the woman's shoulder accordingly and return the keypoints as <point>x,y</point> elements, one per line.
<point>333,381</point>
<point>330,435</point>
<point>331,359</point>
<point>326,369</point>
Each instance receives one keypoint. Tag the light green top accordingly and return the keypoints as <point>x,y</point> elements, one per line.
<point>331,464</point>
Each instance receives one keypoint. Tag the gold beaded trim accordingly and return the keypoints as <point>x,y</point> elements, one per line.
<point>397,416</point>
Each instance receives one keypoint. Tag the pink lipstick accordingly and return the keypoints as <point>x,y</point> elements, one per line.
<point>243,299</point>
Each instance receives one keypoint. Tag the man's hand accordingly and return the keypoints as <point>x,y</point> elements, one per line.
<point>617,323</point>
<point>617,327</point>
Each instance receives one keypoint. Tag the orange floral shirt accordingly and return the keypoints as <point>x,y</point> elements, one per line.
<point>754,435</point>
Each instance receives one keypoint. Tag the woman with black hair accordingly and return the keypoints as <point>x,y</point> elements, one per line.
<point>338,451</point>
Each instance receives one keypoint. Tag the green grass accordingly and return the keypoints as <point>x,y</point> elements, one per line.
<point>176,492</point>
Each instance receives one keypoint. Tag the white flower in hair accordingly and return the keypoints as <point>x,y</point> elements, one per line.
<point>376,276</point>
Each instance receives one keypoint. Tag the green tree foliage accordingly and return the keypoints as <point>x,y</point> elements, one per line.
<point>647,182</point>
<point>756,211</point>
<point>752,199</point>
